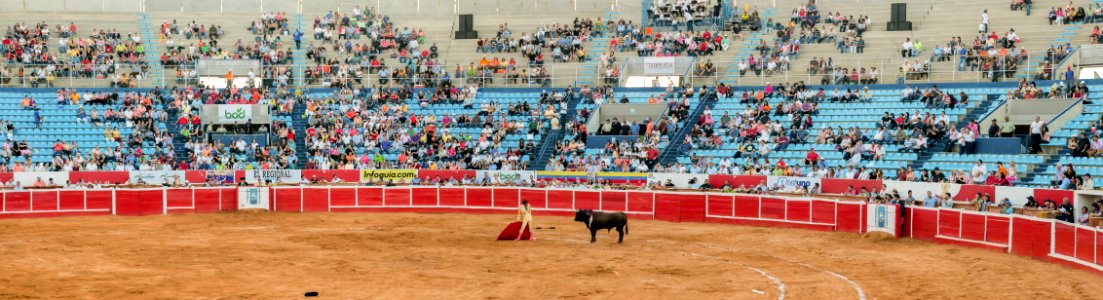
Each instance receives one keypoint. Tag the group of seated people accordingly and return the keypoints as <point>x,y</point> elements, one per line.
<point>914,70</point>
<point>675,12</point>
<point>672,43</point>
<point>1066,178</point>
<point>509,71</point>
<point>1070,14</point>
<point>270,23</point>
<point>355,130</point>
<point>1058,89</point>
<point>191,30</point>
<point>835,75</point>
<point>98,55</point>
<point>1054,55</point>
<point>933,97</point>
<point>564,42</point>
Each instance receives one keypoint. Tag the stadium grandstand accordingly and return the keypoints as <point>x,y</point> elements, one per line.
<point>989,107</point>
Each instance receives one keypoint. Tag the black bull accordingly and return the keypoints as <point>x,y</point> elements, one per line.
<point>598,220</point>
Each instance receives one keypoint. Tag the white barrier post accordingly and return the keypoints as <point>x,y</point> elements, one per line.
<point>1010,232</point>
<point>164,201</point>
<point>85,199</point>
<point>113,210</point>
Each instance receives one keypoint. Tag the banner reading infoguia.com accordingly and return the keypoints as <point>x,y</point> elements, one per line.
<point>385,175</point>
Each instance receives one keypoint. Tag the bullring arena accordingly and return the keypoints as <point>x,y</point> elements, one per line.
<point>400,242</point>
<point>376,149</point>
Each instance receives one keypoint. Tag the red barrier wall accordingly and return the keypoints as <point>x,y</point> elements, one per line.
<point>1066,244</point>
<point>109,177</point>
<point>1041,195</point>
<point>345,175</point>
<point>425,174</point>
<point>748,181</point>
<point>969,192</point>
<point>838,186</point>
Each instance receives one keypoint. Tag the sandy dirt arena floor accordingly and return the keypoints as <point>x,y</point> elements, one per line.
<point>454,256</point>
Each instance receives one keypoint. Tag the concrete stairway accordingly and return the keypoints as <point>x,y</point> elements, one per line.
<point>298,55</point>
<point>155,72</point>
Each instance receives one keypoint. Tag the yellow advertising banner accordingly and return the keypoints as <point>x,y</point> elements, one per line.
<point>385,175</point>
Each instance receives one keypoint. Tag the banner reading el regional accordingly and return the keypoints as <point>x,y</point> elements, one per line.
<point>883,218</point>
<point>275,176</point>
<point>384,175</point>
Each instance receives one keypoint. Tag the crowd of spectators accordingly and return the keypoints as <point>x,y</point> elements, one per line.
<point>833,74</point>
<point>191,30</point>
<point>564,42</point>
<point>354,129</point>
<point>679,12</point>
<point>270,23</point>
<point>97,55</point>
<point>139,111</point>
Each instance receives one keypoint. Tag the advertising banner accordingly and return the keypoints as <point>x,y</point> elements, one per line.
<point>27,179</point>
<point>275,176</point>
<point>658,65</point>
<point>252,198</point>
<point>680,180</point>
<point>790,183</point>
<point>156,177</point>
<point>505,177</point>
<point>235,113</point>
<point>883,218</point>
<point>385,175</point>
<point>563,176</point>
<point>223,176</point>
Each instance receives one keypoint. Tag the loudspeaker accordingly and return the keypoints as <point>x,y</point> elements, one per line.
<point>899,12</point>
<point>900,26</point>
<point>467,22</point>
<point>467,35</point>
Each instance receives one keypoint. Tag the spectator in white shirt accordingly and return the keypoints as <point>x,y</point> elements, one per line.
<point>979,172</point>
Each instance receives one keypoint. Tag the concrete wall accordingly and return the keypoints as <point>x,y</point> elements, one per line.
<point>163,5</point>
<point>44,5</point>
<point>122,5</point>
<point>11,5</point>
<point>242,6</point>
<point>428,8</point>
<point>288,6</point>
<point>84,5</point>
<point>204,6</point>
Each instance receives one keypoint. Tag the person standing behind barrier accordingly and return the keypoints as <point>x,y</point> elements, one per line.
<point>524,215</point>
<point>1037,128</point>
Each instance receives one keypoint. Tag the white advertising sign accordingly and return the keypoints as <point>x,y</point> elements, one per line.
<point>275,176</point>
<point>27,179</point>
<point>790,183</point>
<point>882,218</point>
<point>658,65</point>
<point>234,113</point>
<point>253,198</point>
<point>505,177</point>
<point>156,177</point>
<point>680,180</point>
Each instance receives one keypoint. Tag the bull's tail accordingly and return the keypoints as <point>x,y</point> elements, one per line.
<point>626,227</point>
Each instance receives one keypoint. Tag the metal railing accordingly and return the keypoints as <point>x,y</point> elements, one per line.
<point>558,74</point>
